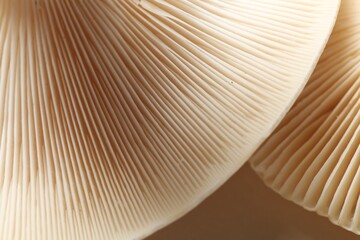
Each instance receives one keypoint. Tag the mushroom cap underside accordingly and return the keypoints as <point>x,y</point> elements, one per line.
<point>313,157</point>
<point>118,117</point>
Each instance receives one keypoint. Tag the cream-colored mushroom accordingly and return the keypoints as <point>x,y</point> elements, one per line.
<point>117,117</point>
<point>313,158</point>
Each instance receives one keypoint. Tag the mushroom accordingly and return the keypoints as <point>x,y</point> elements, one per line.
<point>118,117</point>
<point>313,157</point>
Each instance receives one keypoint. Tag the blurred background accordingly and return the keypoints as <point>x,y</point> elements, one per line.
<point>244,208</point>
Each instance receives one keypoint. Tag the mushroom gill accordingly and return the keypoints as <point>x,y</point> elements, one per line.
<point>117,117</point>
<point>313,158</point>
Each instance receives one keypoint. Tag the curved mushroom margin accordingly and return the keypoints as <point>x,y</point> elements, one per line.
<point>118,117</point>
<point>313,157</point>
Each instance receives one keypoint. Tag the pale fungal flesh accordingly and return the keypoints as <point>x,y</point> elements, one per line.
<point>313,158</point>
<point>117,117</point>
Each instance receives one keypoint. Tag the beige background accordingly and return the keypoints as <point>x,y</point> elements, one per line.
<point>244,208</point>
